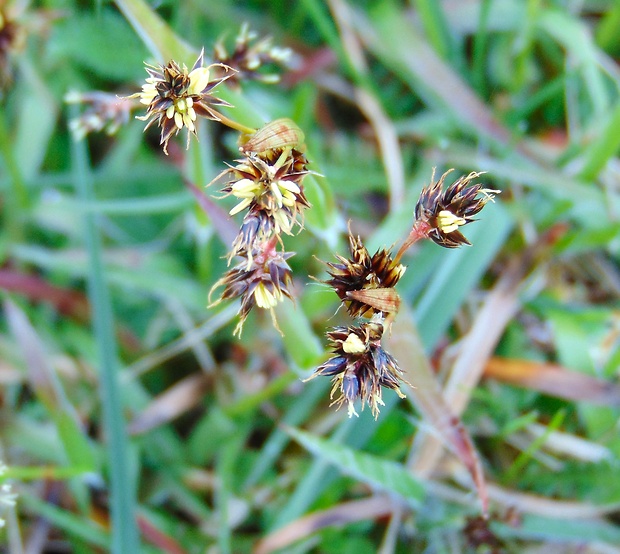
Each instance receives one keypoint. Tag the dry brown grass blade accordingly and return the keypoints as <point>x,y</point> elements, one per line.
<point>500,306</point>
<point>342,514</point>
<point>176,400</point>
<point>65,301</point>
<point>404,343</point>
<point>369,105</point>
<point>553,380</point>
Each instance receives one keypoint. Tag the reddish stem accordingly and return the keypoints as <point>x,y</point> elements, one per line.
<point>419,231</point>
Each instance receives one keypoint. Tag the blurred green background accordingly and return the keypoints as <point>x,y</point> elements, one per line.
<point>132,420</point>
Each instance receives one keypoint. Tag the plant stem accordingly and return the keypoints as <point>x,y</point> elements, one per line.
<point>419,231</point>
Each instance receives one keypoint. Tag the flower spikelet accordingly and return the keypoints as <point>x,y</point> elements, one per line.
<point>440,213</point>
<point>365,283</point>
<point>250,55</point>
<point>176,97</point>
<point>262,279</point>
<point>268,187</point>
<point>102,112</point>
<point>360,367</point>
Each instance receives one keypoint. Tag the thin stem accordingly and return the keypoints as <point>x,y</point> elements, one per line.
<point>419,231</point>
<point>235,125</point>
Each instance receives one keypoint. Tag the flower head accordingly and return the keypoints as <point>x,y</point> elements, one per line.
<point>175,97</point>
<point>364,283</point>
<point>262,279</point>
<point>268,187</point>
<point>440,214</point>
<point>250,55</point>
<point>104,112</point>
<point>360,367</point>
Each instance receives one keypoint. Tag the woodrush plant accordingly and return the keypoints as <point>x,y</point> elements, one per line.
<point>267,181</point>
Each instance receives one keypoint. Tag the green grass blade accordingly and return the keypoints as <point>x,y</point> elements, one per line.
<point>377,472</point>
<point>122,499</point>
<point>159,38</point>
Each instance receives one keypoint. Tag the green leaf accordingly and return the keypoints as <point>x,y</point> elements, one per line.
<point>85,40</point>
<point>384,474</point>
<point>64,520</point>
<point>158,37</point>
<point>78,448</point>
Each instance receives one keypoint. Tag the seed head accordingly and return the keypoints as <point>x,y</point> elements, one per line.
<point>440,214</point>
<point>262,279</point>
<point>268,187</point>
<point>103,112</point>
<point>251,55</point>
<point>364,283</point>
<point>176,97</point>
<point>360,367</point>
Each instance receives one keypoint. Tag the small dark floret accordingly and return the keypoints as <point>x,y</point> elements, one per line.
<point>364,283</point>
<point>360,367</point>
<point>268,187</point>
<point>262,279</point>
<point>176,97</point>
<point>439,214</point>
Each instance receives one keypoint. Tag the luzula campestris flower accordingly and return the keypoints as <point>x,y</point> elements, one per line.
<point>262,279</point>
<point>364,283</point>
<point>176,97</point>
<point>103,112</point>
<point>360,367</point>
<point>441,213</point>
<point>268,188</point>
<point>250,55</point>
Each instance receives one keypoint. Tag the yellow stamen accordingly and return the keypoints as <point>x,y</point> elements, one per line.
<point>448,222</point>
<point>353,345</point>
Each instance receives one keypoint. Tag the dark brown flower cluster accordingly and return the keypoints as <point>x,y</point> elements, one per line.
<point>262,280</point>
<point>267,182</point>
<point>268,187</point>
<point>365,284</point>
<point>176,97</point>
<point>250,56</point>
<point>439,214</point>
<point>360,367</point>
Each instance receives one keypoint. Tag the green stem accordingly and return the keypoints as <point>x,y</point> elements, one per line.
<point>235,125</point>
<point>122,497</point>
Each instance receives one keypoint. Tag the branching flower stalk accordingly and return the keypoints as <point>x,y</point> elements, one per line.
<point>360,367</point>
<point>267,183</point>
<point>266,180</point>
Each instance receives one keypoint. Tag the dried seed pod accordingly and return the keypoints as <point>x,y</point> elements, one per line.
<point>280,133</point>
